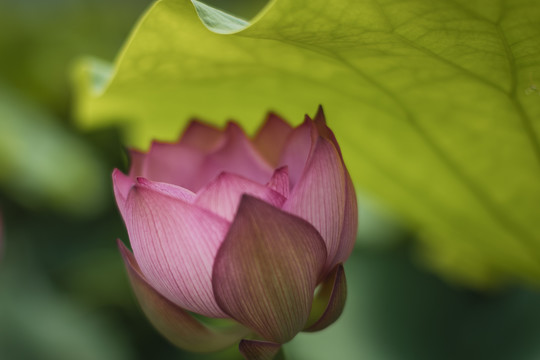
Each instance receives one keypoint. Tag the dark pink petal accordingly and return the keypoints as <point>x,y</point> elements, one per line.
<point>222,195</point>
<point>323,130</point>
<point>267,268</point>
<point>175,244</point>
<point>297,150</point>
<point>202,136</point>
<point>258,350</point>
<point>236,156</point>
<point>271,138</point>
<point>121,185</point>
<point>350,219</point>
<point>173,322</point>
<point>280,181</point>
<point>319,196</point>
<point>329,301</point>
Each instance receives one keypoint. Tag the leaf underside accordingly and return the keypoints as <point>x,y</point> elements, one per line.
<point>435,105</point>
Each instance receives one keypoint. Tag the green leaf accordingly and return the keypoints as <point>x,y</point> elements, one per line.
<point>434,103</point>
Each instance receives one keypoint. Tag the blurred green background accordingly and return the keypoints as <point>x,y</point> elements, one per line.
<point>64,294</point>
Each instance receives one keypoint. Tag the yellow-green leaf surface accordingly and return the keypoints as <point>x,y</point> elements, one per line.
<point>434,102</point>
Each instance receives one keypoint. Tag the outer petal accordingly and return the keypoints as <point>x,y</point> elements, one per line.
<point>350,219</point>
<point>271,138</point>
<point>173,191</point>
<point>350,223</point>
<point>323,130</point>
<point>319,196</point>
<point>329,301</point>
<point>258,350</point>
<point>121,185</point>
<point>222,195</point>
<point>237,156</point>
<point>267,268</point>
<point>176,324</point>
<point>175,244</point>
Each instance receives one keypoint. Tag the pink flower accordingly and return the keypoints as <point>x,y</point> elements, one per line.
<point>243,229</point>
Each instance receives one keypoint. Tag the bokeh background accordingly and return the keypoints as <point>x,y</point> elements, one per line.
<point>64,294</point>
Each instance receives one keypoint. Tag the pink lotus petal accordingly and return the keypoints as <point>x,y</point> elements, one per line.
<point>176,164</point>
<point>323,130</point>
<point>271,138</point>
<point>297,150</point>
<point>280,181</point>
<point>173,322</point>
<point>319,196</point>
<point>173,191</point>
<point>121,185</point>
<point>223,195</point>
<point>175,244</point>
<point>138,163</point>
<point>201,136</point>
<point>329,301</point>
<point>350,219</point>
<point>258,350</point>
<point>267,268</point>
<point>236,156</point>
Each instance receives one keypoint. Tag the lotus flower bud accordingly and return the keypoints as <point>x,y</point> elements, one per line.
<point>238,228</point>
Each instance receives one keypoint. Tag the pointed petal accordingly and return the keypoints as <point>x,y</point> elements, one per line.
<point>175,244</point>
<point>297,150</point>
<point>174,323</point>
<point>258,350</point>
<point>329,301</point>
<point>323,130</point>
<point>280,181</point>
<point>236,156</point>
<point>267,268</point>
<point>121,185</point>
<point>319,196</point>
<point>202,136</point>
<point>223,195</point>
<point>350,219</point>
<point>271,138</point>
